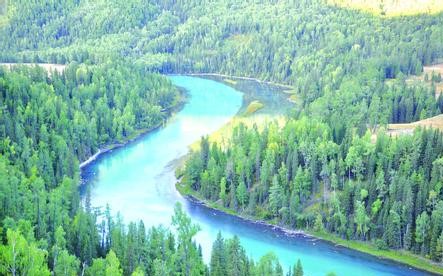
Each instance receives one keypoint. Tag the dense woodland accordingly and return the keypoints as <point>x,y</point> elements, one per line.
<point>387,191</point>
<point>336,59</point>
<point>325,173</point>
<point>48,124</point>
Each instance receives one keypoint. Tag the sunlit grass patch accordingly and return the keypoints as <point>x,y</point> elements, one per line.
<point>230,81</point>
<point>253,107</point>
<point>223,135</point>
<point>239,39</point>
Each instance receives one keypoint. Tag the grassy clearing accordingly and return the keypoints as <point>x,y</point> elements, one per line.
<point>369,248</point>
<point>239,40</point>
<point>426,79</point>
<point>399,129</point>
<point>391,8</point>
<point>253,107</point>
<point>428,71</point>
<point>49,67</point>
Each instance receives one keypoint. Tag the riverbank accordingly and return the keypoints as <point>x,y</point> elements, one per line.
<point>140,132</point>
<point>113,146</point>
<point>401,257</point>
<point>191,195</point>
<point>263,102</point>
<point>285,86</point>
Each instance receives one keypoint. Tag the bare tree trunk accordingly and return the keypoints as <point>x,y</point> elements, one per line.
<point>83,268</point>
<point>14,255</point>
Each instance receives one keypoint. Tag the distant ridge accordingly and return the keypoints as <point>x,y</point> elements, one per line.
<point>392,8</point>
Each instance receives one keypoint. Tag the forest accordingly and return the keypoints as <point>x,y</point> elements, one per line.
<point>51,122</point>
<point>331,168</point>
<point>386,191</point>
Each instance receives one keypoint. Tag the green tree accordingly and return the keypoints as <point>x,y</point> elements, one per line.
<point>222,194</point>
<point>19,257</point>
<point>440,247</point>
<point>236,262</point>
<point>138,272</point>
<point>275,196</point>
<point>112,264</point>
<point>64,263</point>
<point>67,265</point>
<point>393,230</point>
<point>361,219</point>
<point>298,269</point>
<point>318,224</point>
<point>269,265</point>
<point>421,231</point>
<point>218,257</point>
<point>98,268</point>
<point>187,251</point>
<point>242,194</point>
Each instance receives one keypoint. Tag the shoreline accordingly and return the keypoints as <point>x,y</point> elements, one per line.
<point>365,248</point>
<point>139,132</point>
<point>112,146</point>
<point>285,231</point>
<point>398,257</point>
<point>281,85</point>
<point>189,196</point>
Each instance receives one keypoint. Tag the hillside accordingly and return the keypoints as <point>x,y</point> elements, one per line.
<point>317,169</point>
<point>392,7</point>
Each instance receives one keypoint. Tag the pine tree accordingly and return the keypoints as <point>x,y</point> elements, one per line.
<point>439,249</point>
<point>242,194</point>
<point>275,196</point>
<point>218,257</point>
<point>318,224</point>
<point>298,269</point>
<point>421,231</point>
<point>187,253</point>
<point>393,231</point>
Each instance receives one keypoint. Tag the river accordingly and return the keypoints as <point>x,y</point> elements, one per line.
<point>138,181</point>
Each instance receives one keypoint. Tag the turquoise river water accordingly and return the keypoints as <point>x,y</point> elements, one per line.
<point>138,181</point>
